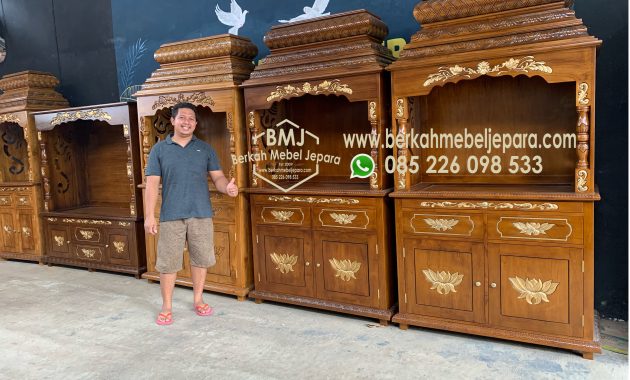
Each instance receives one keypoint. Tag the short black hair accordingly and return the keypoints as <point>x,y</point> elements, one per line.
<point>179,106</point>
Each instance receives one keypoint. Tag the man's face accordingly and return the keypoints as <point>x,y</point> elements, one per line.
<point>184,123</point>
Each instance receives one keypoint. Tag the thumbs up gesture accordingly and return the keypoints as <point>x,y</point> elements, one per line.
<point>231,189</point>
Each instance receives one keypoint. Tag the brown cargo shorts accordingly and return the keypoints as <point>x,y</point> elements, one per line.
<point>199,232</point>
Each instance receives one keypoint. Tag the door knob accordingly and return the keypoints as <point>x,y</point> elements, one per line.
<point>477,283</point>
<point>307,263</point>
<point>493,285</point>
<point>318,265</point>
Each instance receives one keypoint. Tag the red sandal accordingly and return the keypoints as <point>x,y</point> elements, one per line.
<point>203,310</point>
<point>164,319</point>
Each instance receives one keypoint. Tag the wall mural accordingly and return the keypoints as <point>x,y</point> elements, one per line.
<point>141,26</point>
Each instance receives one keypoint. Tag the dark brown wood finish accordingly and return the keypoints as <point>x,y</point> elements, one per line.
<point>326,242</point>
<point>507,255</point>
<point>206,72</point>
<point>92,212</point>
<point>21,235</point>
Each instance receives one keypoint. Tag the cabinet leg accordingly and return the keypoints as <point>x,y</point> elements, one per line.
<point>49,264</point>
<point>384,322</point>
<point>40,262</point>
<point>258,301</point>
<point>587,355</point>
<point>3,259</point>
<point>137,277</point>
<point>150,281</point>
<point>90,269</point>
<point>403,326</point>
<point>241,298</point>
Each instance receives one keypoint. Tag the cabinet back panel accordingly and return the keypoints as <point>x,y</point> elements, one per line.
<point>66,163</point>
<point>106,165</point>
<point>14,157</point>
<point>503,105</point>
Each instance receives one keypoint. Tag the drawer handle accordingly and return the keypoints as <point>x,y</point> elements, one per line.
<point>307,263</point>
<point>284,262</point>
<point>477,283</point>
<point>318,265</point>
<point>533,229</point>
<point>443,282</point>
<point>535,290</point>
<point>493,285</point>
<point>343,218</point>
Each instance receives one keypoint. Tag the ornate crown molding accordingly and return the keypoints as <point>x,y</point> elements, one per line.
<point>209,47</point>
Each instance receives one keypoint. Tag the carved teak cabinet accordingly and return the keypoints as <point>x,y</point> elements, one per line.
<point>206,72</point>
<point>503,249</point>
<point>20,179</point>
<point>92,216</point>
<point>321,240</point>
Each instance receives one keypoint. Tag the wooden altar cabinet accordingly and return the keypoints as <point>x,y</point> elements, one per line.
<point>206,72</point>
<point>92,214</point>
<point>321,239</point>
<point>20,180</point>
<point>499,246</point>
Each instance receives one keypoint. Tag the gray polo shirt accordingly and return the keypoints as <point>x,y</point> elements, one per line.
<point>184,172</point>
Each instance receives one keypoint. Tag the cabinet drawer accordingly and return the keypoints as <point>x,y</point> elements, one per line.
<point>5,200</point>
<point>289,215</point>
<point>87,234</point>
<point>484,205</point>
<point>89,252</point>
<point>461,225</point>
<point>23,200</point>
<point>556,228</point>
<point>342,218</point>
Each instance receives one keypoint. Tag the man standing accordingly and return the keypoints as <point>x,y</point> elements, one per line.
<point>183,163</point>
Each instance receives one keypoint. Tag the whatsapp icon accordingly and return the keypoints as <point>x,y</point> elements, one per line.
<point>361,166</point>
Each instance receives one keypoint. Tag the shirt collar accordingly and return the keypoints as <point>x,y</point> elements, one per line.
<point>169,139</point>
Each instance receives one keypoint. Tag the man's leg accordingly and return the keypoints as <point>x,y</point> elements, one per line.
<point>201,249</point>
<point>167,284</point>
<point>198,279</point>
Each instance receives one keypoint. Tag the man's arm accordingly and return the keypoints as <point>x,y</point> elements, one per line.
<point>150,199</point>
<point>222,184</point>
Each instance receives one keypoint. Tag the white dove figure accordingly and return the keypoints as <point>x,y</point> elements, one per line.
<point>317,10</point>
<point>235,19</point>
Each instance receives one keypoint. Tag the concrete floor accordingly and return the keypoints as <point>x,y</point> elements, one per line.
<point>69,323</point>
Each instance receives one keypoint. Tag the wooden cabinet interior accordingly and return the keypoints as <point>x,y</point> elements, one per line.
<point>321,239</point>
<point>20,182</point>
<point>501,247</point>
<point>206,72</point>
<point>90,173</point>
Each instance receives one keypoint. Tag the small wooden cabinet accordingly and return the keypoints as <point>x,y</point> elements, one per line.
<point>206,72</point>
<point>92,216</point>
<point>20,181</point>
<point>496,239</point>
<point>321,237</point>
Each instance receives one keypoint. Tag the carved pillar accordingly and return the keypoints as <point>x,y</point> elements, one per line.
<point>230,127</point>
<point>376,177</point>
<point>253,131</point>
<point>583,126</point>
<point>145,129</point>
<point>402,177</point>
<point>44,170</point>
<point>132,189</point>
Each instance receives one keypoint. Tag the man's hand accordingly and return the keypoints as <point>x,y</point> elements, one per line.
<point>150,226</point>
<point>231,189</point>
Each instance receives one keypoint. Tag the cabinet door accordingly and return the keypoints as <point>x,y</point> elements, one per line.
<point>9,231</point>
<point>221,272</point>
<point>57,240</point>
<point>26,231</point>
<point>346,267</point>
<point>284,258</point>
<point>536,288</point>
<point>444,279</point>
<point>119,247</point>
